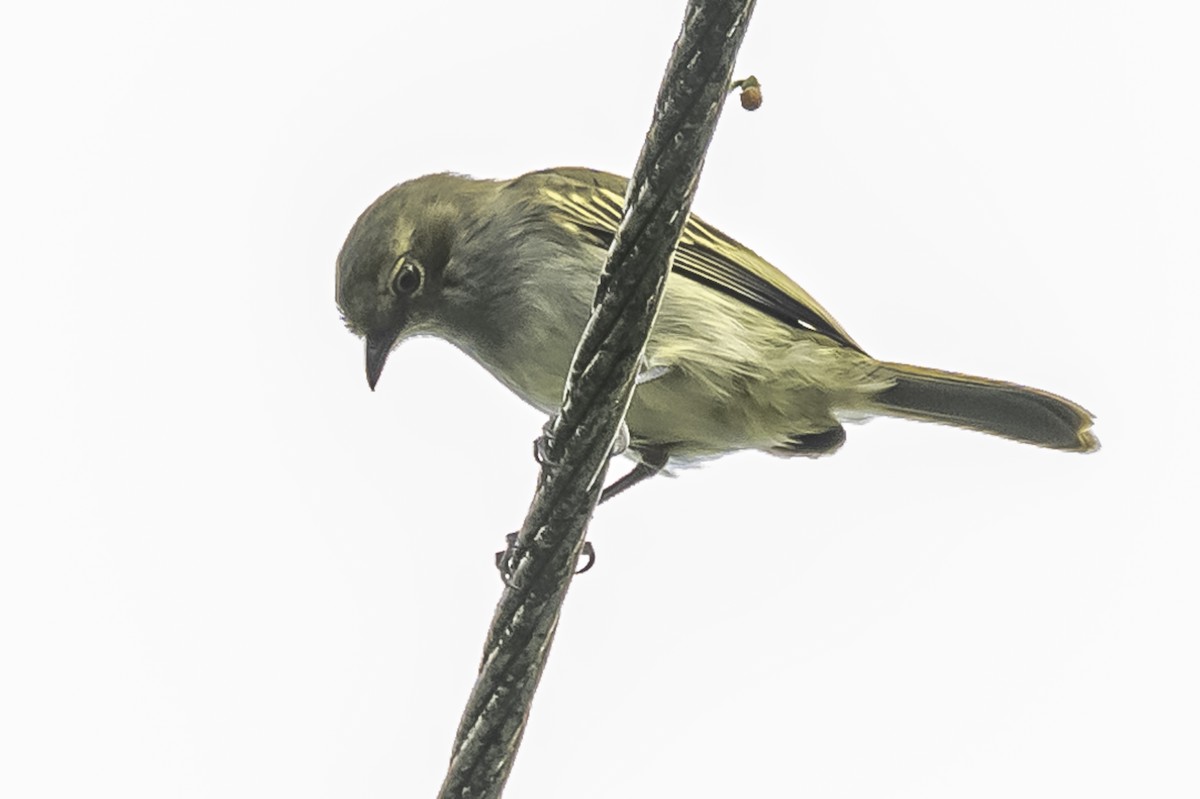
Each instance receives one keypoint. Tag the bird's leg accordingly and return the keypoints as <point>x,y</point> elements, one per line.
<point>649,464</point>
<point>542,444</point>
<point>651,461</point>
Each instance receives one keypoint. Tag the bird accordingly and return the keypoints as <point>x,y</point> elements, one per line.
<point>740,357</point>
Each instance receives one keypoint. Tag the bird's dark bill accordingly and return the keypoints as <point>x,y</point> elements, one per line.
<point>378,347</point>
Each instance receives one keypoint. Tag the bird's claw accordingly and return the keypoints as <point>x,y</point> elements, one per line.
<point>588,552</point>
<point>506,556</point>
<point>506,559</point>
<point>543,444</point>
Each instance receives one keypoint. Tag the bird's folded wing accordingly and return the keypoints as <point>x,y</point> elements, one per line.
<point>704,254</point>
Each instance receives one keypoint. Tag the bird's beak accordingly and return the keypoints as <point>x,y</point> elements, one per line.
<point>378,347</point>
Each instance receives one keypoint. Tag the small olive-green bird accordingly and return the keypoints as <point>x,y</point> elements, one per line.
<point>740,356</point>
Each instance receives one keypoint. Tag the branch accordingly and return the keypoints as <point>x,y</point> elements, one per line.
<point>579,440</point>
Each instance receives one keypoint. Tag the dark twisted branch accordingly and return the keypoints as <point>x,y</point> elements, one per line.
<point>579,440</point>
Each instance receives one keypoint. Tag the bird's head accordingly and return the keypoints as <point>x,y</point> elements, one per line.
<point>391,268</point>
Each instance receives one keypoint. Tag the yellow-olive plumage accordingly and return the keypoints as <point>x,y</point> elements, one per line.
<point>740,356</point>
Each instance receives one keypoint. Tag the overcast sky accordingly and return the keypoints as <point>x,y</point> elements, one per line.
<point>228,569</point>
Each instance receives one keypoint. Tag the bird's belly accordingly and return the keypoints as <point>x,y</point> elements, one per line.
<point>691,418</point>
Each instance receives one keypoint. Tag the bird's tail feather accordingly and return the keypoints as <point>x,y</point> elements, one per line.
<point>992,406</point>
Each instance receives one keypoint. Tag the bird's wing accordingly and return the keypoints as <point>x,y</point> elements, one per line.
<point>592,203</point>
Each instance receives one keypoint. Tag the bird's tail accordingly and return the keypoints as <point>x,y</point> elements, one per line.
<point>992,406</point>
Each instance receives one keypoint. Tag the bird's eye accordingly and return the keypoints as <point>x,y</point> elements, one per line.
<point>407,278</point>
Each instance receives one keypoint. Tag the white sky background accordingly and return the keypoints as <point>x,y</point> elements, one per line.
<point>228,569</point>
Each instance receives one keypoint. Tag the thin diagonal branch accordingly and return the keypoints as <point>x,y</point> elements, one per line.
<point>597,395</point>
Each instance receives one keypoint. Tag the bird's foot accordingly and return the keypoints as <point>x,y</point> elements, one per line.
<point>506,559</point>
<point>543,444</point>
